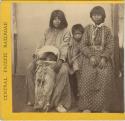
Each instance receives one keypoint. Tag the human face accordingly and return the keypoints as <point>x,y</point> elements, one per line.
<point>77,35</point>
<point>56,22</point>
<point>97,18</point>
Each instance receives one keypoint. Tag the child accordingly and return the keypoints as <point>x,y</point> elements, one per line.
<point>74,55</point>
<point>96,81</point>
<point>45,77</point>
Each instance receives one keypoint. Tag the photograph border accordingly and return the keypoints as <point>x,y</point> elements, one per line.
<point>6,73</point>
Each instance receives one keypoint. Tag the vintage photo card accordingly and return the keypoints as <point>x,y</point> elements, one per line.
<point>62,60</point>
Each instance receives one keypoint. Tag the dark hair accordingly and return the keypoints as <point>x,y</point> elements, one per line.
<point>60,14</point>
<point>77,27</point>
<point>49,55</point>
<point>98,10</point>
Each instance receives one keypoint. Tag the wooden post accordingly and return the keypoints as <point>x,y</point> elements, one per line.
<point>118,104</point>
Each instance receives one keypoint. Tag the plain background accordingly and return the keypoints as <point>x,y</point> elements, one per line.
<point>33,19</point>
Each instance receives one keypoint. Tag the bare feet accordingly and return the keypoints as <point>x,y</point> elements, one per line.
<point>60,108</point>
<point>86,111</point>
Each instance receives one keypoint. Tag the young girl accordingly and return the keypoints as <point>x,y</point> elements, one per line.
<point>95,86</point>
<point>56,35</point>
<point>75,56</point>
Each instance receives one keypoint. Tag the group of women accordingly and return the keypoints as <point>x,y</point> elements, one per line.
<point>95,78</point>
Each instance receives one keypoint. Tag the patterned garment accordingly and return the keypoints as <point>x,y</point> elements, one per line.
<point>44,84</point>
<point>95,86</point>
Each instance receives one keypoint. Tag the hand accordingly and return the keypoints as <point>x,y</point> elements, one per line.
<point>76,51</point>
<point>102,63</point>
<point>58,66</point>
<point>93,61</point>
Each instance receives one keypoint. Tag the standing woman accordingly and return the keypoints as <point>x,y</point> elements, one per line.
<point>58,36</point>
<point>95,86</point>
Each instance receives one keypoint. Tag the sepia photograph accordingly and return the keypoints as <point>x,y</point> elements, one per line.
<point>68,57</point>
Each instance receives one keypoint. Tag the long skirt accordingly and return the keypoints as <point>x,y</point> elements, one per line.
<point>95,87</point>
<point>62,91</point>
